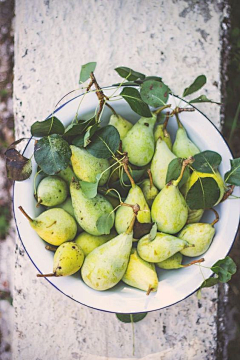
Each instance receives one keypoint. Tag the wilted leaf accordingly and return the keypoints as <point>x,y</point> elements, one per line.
<point>198,83</point>
<point>128,318</point>
<point>18,167</point>
<point>203,194</point>
<point>154,93</point>
<point>105,142</point>
<point>47,127</point>
<point>135,101</point>
<point>86,71</point>
<point>207,161</point>
<point>174,170</point>
<point>141,229</point>
<point>52,154</point>
<point>129,74</point>
<point>203,99</point>
<point>233,175</point>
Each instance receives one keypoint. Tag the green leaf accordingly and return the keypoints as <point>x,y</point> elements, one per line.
<point>47,127</point>
<point>78,128</point>
<point>153,232</point>
<point>224,268</point>
<point>90,189</point>
<point>198,83</point>
<point>89,133</point>
<point>139,82</point>
<point>105,142</point>
<point>203,99</point>
<point>135,101</point>
<point>19,168</point>
<point>52,154</point>
<point>86,71</point>
<point>209,282</point>
<point>233,175</point>
<point>207,161</point>
<point>129,74</point>
<point>128,318</point>
<point>154,93</point>
<point>174,171</point>
<point>105,223</point>
<point>203,194</point>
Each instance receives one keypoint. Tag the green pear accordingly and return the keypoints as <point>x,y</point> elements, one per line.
<point>105,266</point>
<point>216,177</point>
<point>88,211</point>
<point>67,175</point>
<point>159,166</point>
<point>173,262</point>
<point>139,141</point>
<point>183,147</point>
<point>161,131</point>
<point>169,209</point>
<point>55,226</point>
<point>87,166</point>
<point>51,191</point>
<point>194,216</point>
<point>89,242</point>
<point>200,235</point>
<point>160,248</point>
<point>67,206</point>
<point>124,213</point>
<point>140,274</point>
<point>122,125</point>
<point>67,260</point>
<point>149,191</point>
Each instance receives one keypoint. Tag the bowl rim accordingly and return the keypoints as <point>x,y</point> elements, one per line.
<point>56,287</point>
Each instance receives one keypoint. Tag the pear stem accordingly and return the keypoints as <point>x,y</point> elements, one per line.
<point>149,290</point>
<point>150,178</point>
<point>112,109</point>
<point>194,262</point>
<point>25,214</point>
<point>125,166</point>
<point>136,209</point>
<point>50,248</point>
<point>46,275</point>
<point>217,217</point>
<point>156,112</point>
<point>165,124</point>
<point>228,192</point>
<point>180,125</point>
<point>185,163</point>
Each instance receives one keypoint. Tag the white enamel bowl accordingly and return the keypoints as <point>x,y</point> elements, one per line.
<point>174,285</point>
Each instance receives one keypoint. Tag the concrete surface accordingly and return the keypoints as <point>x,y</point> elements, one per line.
<point>175,39</point>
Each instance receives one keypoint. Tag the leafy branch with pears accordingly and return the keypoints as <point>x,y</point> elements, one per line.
<point>119,200</point>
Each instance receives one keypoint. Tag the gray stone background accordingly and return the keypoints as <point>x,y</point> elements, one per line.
<point>176,39</point>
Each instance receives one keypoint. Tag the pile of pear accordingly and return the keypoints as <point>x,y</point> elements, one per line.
<point>69,220</point>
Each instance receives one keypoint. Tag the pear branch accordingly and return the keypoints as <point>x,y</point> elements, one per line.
<point>185,163</point>
<point>217,217</point>
<point>165,124</point>
<point>194,262</point>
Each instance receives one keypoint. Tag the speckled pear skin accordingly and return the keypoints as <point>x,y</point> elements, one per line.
<point>140,273</point>
<point>89,242</point>
<point>55,226</point>
<point>174,262</point>
<point>160,248</point>
<point>169,209</point>
<point>139,141</point>
<point>159,166</point>
<point>200,235</point>
<point>149,192</point>
<point>67,175</point>
<point>105,266</point>
<point>123,215</point>
<point>183,147</point>
<point>52,191</point>
<point>86,166</point>
<point>158,132</point>
<point>194,216</point>
<point>217,177</point>
<point>67,206</point>
<point>68,259</point>
<point>88,211</point>
<point>122,125</point>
